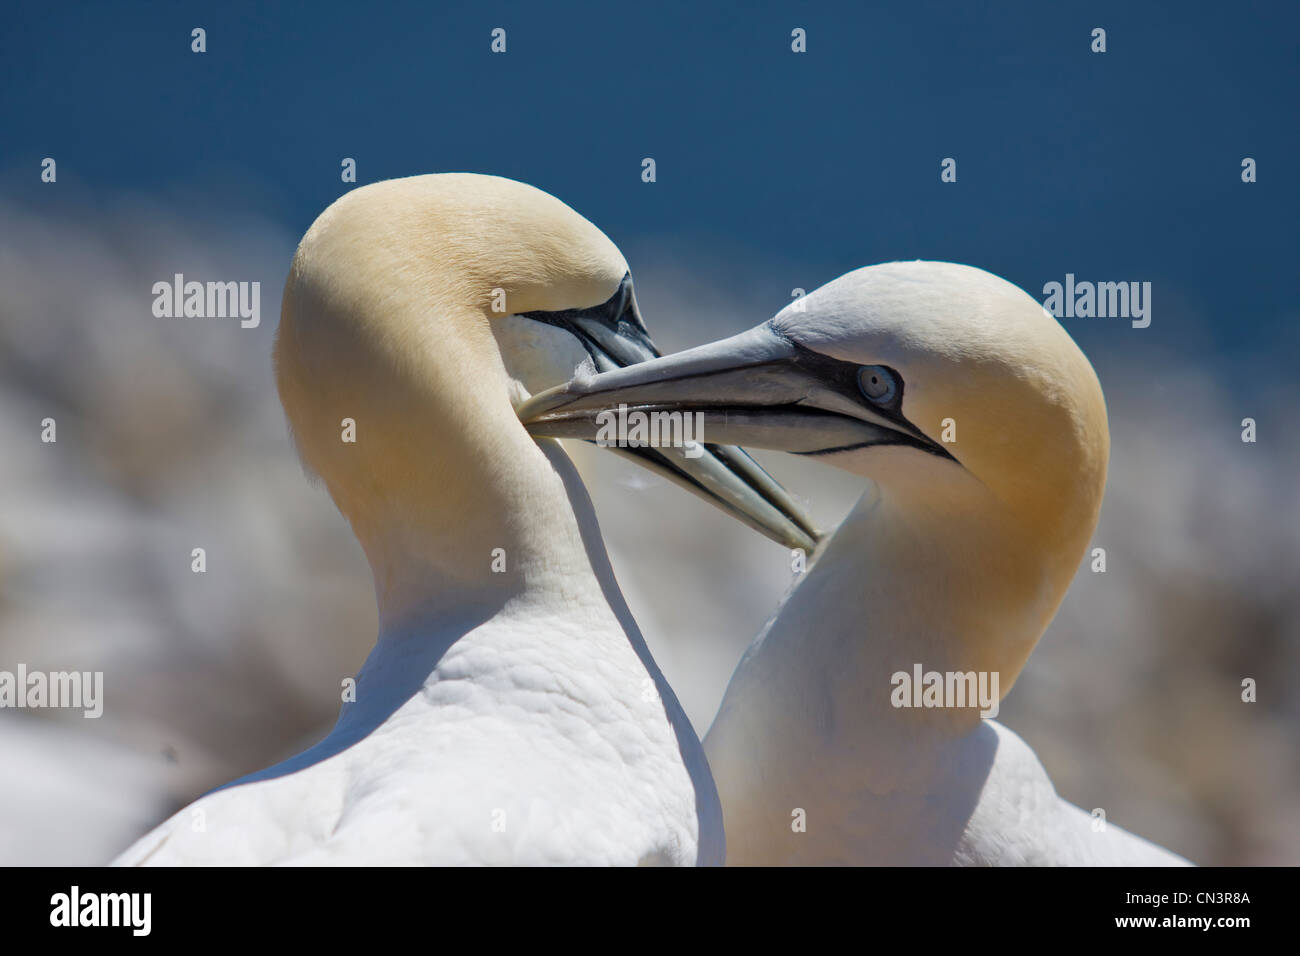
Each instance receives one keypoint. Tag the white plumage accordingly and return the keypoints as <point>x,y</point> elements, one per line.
<point>981,430</point>
<point>510,712</point>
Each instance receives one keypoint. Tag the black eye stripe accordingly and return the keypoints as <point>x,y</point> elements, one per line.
<point>619,307</point>
<point>842,377</point>
<point>619,313</point>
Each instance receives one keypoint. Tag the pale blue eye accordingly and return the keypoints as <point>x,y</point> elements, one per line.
<point>878,383</point>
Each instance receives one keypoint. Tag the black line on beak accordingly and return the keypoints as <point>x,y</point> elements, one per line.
<point>842,378</point>
<point>618,313</point>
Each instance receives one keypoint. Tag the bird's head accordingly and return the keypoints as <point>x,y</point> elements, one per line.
<point>950,388</point>
<point>419,312</point>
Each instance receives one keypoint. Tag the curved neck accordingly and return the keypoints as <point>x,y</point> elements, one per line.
<point>437,590</point>
<point>477,538</point>
<point>904,585</point>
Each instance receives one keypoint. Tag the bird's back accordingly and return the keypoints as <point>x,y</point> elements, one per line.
<point>978,799</point>
<point>1020,820</point>
<point>499,758</point>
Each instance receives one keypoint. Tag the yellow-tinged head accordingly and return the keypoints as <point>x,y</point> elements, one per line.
<point>417,313</point>
<point>977,418</point>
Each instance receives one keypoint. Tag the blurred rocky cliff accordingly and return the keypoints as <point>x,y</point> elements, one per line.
<point>170,438</point>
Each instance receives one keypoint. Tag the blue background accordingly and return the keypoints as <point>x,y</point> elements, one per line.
<point>1122,166</point>
<point>775,171</point>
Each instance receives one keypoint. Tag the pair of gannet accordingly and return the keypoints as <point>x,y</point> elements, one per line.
<point>510,711</point>
<point>982,430</point>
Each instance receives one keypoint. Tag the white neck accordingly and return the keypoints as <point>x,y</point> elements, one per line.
<point>554,626</point>
<point>902,582</point>
<point>557,601</point>
<point>482,542</point>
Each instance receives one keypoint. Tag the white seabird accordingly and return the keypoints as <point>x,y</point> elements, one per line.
<point>510,711</point>
<point>982,430</point>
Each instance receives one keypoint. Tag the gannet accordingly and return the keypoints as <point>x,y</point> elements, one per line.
<point>510,712</point>
<point>981,430</point>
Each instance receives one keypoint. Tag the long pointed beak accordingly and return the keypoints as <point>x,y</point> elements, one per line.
<point>725,477</point>
<point>758,389</point>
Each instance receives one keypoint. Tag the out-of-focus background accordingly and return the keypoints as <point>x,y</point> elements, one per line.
<point>775,170</point>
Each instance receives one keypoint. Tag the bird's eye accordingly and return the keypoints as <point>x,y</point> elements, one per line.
<point>878,383</point>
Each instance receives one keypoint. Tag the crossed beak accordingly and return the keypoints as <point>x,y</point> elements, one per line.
<point>616,340</point>
<point>758,388</point>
